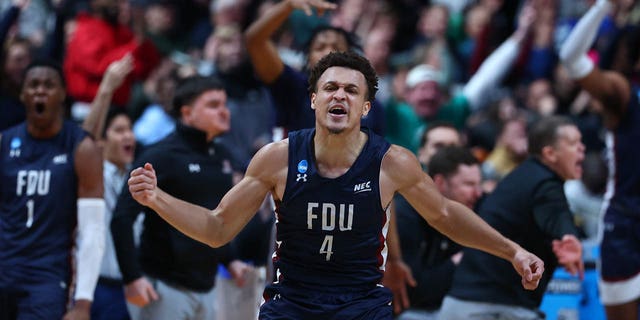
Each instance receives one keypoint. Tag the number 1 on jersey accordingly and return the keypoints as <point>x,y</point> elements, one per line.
<point>327,246</point>
<point>29,213</point>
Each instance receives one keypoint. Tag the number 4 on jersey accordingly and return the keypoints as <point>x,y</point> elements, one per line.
<point>327,246</point>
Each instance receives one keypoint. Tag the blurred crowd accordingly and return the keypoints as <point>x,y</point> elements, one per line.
<point>482,70</point>
<point>174,39</point>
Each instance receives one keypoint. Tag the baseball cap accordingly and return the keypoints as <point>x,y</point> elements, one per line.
<point>422,73</point>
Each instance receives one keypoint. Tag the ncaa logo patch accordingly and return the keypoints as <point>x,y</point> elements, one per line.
<point>303,165</point>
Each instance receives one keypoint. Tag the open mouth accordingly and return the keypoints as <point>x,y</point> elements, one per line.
<point>39,108</point>
<point>337,110</point>
<point>128,149</point>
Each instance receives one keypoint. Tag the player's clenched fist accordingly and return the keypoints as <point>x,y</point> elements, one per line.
<point>530,267</point>
<point>143,184</point>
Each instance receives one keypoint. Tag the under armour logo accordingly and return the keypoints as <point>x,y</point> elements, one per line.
<point>302,177</point>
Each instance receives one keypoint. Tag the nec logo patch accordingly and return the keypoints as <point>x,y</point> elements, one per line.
<point>362,187</point>
<point>60,159</point>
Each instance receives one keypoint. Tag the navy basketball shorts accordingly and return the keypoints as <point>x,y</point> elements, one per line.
<point>620,259</point>
<point>44,301</point>
<point>620,248</point>
<point>286,302</point>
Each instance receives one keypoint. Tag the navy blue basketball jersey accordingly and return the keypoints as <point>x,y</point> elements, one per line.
<point>624,157</point>
<point>331,232</point>
<point>619,250</point>
<point>38,192</point>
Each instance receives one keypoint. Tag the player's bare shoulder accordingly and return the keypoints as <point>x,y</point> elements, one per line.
<point>399,166</point>
<point>269,166</point>
<point>270,162</point>
<point>88,149</point>
<point>277,151</point>
<point>397,158</point>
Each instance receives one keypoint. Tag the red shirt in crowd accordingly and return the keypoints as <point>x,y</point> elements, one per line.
<point>93,46</point>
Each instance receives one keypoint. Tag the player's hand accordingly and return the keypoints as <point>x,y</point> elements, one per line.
<point>81,310</point>
<point>143,184</point>
<point>308,5</point>
<point>397,275</point>
<point>140,292</point>
<point>529,267</point>
<point>569,254</point>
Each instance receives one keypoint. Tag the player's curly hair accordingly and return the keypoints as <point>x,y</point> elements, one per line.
<point>350,60</point>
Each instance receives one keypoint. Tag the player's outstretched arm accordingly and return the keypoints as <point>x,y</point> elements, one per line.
<point>609,87</point>
<point>214,227</point>
<point>90,235</point>
<point>262,51</point>
<point>401,172</point>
